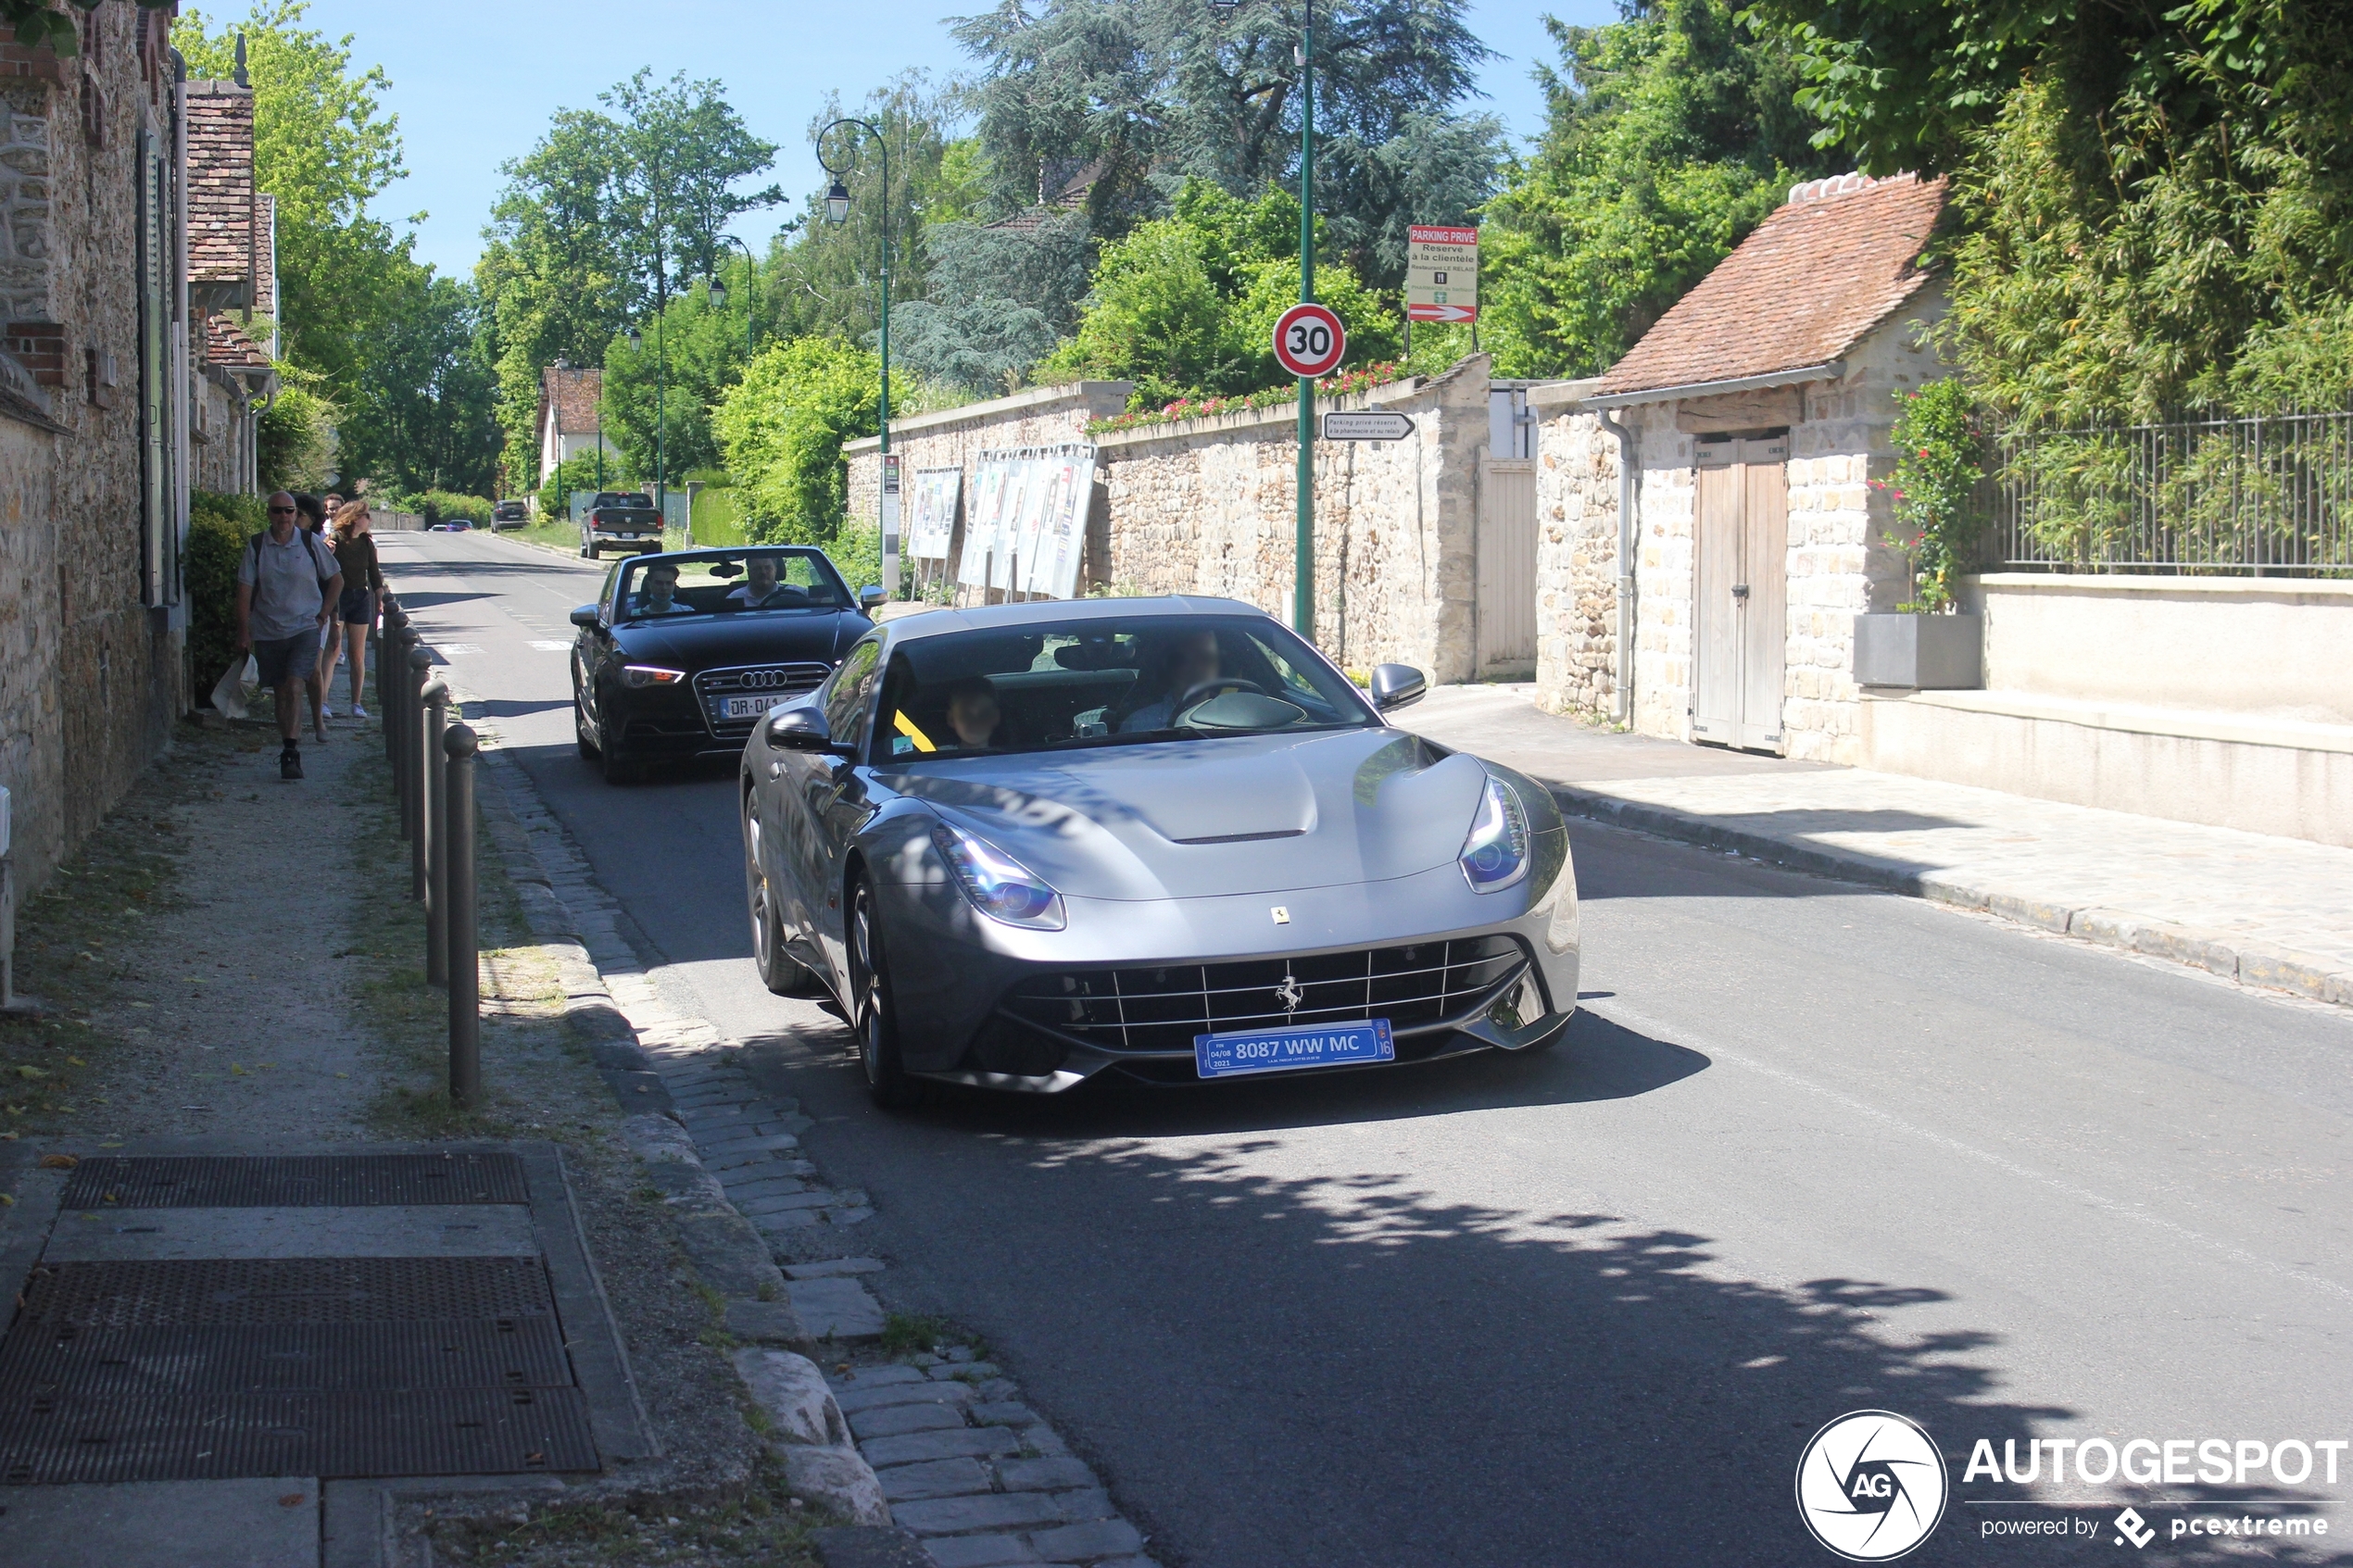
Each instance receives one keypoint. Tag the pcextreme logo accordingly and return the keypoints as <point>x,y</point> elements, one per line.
<point>1871,1485</point>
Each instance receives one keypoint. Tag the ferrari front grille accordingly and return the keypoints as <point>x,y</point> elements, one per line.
<point>1162,1008</point>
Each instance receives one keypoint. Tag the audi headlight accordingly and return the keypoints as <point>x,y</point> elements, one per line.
<point>999,885</point>
<point>1495,855</point>
<point>649,675</point>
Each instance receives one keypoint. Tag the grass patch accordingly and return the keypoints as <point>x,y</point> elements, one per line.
<point>756,1522</point>
<point>908,1334</point>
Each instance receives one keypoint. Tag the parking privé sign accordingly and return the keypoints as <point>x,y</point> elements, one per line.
<point>1441,273</point>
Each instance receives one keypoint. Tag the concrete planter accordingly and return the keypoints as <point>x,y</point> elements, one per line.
<point>1936,653</point>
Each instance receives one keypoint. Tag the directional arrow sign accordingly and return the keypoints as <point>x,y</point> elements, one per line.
<point>1377,424</point>
<point>1443,312</point>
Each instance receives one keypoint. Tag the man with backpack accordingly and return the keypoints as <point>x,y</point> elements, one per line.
<point>287,585</point>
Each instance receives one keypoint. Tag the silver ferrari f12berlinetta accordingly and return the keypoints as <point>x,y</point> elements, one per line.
<point>1023,845</point>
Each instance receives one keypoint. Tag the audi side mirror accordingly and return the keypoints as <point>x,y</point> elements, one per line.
<point>583,615</point>
<point>869,598</point>
<point>1397,685</point>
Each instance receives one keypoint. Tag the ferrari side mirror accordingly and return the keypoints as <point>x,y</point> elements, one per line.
<point>1397,685</point>
<point>801,727</point>
<point>583,615</point>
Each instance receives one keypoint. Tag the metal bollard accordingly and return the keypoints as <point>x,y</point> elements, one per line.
<point>458,745</point>
<point>397,726</point>
<point>420,667</point>
<point>390,656</point>
<point>433,723</point>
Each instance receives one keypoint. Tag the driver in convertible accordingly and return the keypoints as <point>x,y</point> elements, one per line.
<point>759,589</point>
<point>1184,662</point>
<point>657,593</point>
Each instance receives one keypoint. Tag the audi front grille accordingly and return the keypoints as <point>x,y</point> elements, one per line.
<point>1160,1009</point>
<point>776,683</point>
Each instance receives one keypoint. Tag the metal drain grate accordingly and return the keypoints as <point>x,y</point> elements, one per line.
<point>281,1290</point>
<point>311,1181</point>
<point>114,1363</point>
<point>46,1440</point>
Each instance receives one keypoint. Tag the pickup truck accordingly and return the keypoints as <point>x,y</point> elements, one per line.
<point>623,519</point>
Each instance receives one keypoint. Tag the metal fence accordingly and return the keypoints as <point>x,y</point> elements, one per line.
<point>2269,495</point>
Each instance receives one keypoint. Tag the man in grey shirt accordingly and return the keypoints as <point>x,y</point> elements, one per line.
<point>287,585</point>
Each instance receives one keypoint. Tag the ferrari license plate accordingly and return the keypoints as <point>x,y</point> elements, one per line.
<point>748,706</point>
<point>1292,1046</point>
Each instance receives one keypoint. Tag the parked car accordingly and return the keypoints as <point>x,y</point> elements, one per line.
<point>509,514</point>
<point>684,653</point>
<point>622,519</point>
<point>1024,845</point>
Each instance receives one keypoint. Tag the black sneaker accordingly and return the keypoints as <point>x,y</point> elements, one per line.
<point>290,762</point>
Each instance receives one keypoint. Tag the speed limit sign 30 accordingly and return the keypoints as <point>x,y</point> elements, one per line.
<point>1309,341</point>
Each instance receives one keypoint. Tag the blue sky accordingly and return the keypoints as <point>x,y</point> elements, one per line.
<point>475,81</point>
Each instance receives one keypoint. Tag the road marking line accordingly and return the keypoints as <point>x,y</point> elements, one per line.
<point>553,648</point>
<point>1658,1029</point>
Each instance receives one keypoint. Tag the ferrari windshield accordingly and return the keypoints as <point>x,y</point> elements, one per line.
<point>1106,683</point>
<point>725,582</point>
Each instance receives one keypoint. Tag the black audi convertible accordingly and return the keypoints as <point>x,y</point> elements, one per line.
<point>684,652</point>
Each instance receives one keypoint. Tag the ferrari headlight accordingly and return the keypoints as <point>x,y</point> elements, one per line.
<point>649,675</point>
<point>999,885</point>
<point>1495,855</point>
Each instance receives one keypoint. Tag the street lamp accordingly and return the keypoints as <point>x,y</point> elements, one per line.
<point>661,423</point>
<point>838,210</point>
<point>1304,560</point>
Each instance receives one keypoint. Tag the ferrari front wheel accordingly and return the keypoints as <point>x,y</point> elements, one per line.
<point>875,1018</point>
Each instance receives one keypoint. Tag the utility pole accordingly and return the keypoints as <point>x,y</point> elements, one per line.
<point>1303,568</point>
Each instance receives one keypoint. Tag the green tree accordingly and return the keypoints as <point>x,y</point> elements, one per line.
<point>424,417</point>
<point>1142,94</point>
<point>1186,305</point>
<point>601,221</point>
<point>1670,135</point>
<point>703,350</point>
<point>782,428</point>
<point>295,442</point>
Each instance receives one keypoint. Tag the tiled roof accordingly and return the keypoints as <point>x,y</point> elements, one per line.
<point>225,345</point>
<point>220,201</point>
<point>265,254</point>
<point>1804,288</point>
<point>573,393</point>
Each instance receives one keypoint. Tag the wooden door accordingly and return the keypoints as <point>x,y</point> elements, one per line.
<point>1506,565</point>
<point>1741,588</point>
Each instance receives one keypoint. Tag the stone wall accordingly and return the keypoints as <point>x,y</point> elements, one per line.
<point>89,675</point>
<point>1577,469</point>
<point>218,434</point>
<point>1211,506</point>
<point>1046,416</point>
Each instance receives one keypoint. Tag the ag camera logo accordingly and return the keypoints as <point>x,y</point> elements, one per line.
<point>1871,1485</point>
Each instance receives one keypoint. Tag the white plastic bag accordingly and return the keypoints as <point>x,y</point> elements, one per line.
<point>238,686</point>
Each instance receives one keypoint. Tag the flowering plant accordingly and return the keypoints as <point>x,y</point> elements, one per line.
<point>1338,385</point>
<point>1940,461</point>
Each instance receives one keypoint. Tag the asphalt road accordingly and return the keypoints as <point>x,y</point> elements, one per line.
<point>1809,1150</point>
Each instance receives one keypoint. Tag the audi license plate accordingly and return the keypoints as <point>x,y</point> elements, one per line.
<point>748,706</point>
<point>1292,1046</point>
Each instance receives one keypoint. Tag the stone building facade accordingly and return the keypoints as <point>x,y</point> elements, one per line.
<point>1793,354</point>
<point>233,287</point>
<point>93,401</point>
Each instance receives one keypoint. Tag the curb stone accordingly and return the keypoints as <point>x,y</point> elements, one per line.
<point>2244,959</point>
<point>1049,1506</point>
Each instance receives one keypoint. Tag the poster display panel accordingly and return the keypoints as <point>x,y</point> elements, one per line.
<point>932,528</point>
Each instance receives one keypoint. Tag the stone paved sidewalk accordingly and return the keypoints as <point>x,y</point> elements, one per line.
<point>2276,913</point>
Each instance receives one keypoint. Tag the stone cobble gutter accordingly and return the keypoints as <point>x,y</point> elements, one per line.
<point>935,1456</point>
